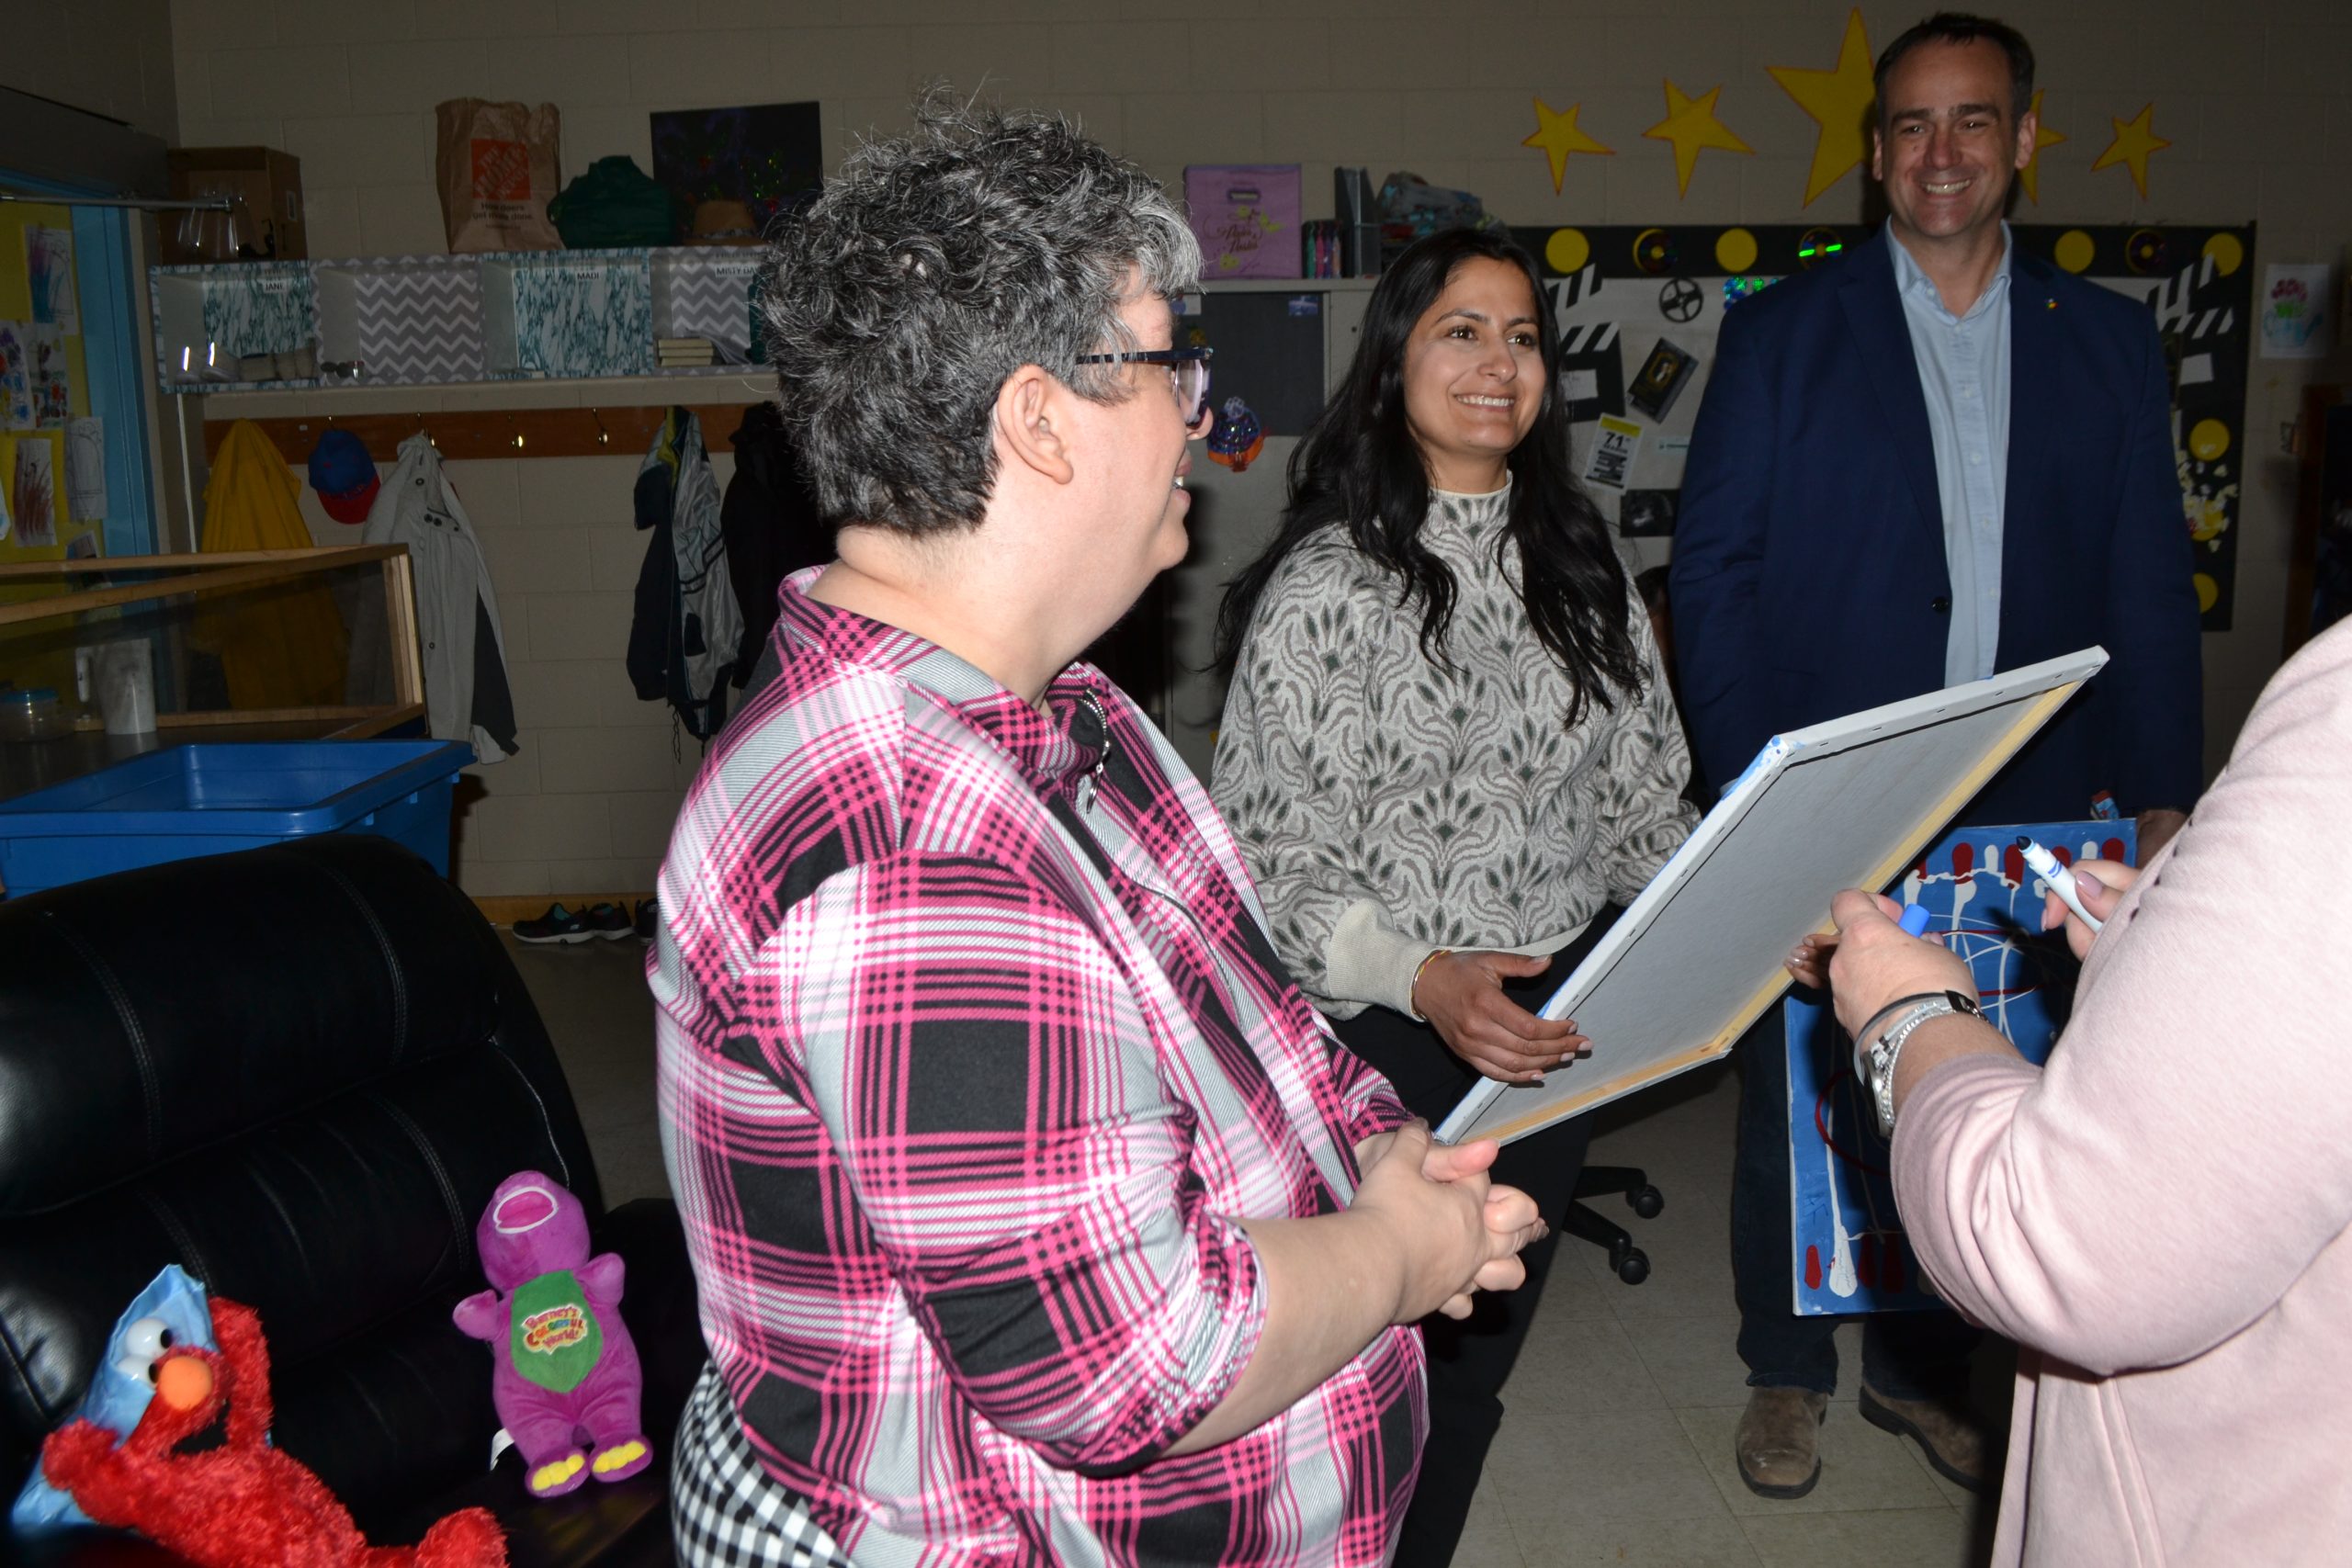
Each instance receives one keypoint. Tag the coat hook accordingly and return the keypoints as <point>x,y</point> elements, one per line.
<point>517,429</point>
<point>604,436</point>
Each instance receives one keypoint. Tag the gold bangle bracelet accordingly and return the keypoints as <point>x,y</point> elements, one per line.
<point>1415,984</point>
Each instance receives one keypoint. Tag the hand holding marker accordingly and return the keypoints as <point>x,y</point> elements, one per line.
<point>2059,879</point>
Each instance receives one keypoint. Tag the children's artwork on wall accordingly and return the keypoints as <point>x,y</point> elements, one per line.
<point>32,490</point>
<point>1639,306</point>
<point>1849,1254</point>
<point>86,470</point>
<point>15,378</point>
<point>768,156</point>
<point>2294,310</point>
<point>53,381</point>
<point>48,275</point>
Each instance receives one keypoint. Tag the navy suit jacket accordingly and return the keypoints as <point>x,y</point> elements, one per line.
<point>1809,579</point>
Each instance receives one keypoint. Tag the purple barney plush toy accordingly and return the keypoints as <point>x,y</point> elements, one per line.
<point>568,1378</point>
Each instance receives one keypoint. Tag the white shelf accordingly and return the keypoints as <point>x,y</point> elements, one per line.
<point>445,320</point>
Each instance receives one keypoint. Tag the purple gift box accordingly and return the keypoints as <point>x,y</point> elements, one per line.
<point>1245,218</point>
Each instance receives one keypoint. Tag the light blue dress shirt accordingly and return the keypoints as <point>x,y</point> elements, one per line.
<point>1964,373</point>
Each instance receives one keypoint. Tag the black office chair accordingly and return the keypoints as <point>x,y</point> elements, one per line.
<point>1630,1263</point>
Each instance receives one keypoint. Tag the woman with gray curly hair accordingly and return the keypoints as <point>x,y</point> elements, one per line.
<point>1035,1215</point>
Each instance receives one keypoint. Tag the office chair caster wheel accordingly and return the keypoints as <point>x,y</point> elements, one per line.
<point>1647,1202</point>
<point>1634,1266</point>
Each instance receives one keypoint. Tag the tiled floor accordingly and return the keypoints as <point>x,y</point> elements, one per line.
<point>1617,1446</point>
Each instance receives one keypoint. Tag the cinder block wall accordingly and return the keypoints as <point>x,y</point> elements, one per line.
<point>111,57</point>
<point>2253,97</point>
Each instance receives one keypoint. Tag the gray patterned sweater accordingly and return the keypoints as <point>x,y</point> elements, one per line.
<point>1389,807</point>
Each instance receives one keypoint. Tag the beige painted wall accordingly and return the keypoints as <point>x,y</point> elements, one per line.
<point>2253,97</point>
<point>111,57</point>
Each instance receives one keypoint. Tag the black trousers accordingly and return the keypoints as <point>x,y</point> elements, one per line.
<point>1469,1361</point>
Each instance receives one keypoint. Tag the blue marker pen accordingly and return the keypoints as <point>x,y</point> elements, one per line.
<point>2059,880</point>
<point>1914,919</point>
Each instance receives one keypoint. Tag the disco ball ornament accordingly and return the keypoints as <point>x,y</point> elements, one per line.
<point>1237,437</point>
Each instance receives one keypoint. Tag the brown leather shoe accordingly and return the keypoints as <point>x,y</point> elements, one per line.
<point>1952,1433</point>
<point>1779,1441</point>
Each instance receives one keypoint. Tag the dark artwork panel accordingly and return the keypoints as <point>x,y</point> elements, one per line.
<point>1648,514</point>
<point>1269,354</point>
<point>2332,559</point>
<point>768,156</point>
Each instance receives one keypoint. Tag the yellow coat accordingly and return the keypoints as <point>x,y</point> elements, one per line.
<point>283,646</point>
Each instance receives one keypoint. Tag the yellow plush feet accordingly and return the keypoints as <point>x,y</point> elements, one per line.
<point>559,1477</point>
<point>618,1461</point>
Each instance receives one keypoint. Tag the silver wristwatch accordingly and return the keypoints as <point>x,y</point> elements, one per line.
<point>1874,1061</point>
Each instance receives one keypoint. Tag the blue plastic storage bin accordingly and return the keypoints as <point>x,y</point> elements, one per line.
<point>209,799</point>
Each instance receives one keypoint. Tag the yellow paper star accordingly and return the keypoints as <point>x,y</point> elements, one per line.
<point>2132,144</point>
<point>1558,136</point>
<point>1691,124</point>
<point>1840,100</point>
<point>2031,176</point>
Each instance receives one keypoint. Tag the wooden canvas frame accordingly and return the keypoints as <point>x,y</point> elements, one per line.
<point>1696,959</point>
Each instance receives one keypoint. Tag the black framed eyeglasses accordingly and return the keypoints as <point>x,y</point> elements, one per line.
<point>1188,374</point>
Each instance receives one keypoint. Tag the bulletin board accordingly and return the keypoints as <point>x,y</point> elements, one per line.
<point>52,483</point>
<point>44,393</point>
<point>1639,308</point>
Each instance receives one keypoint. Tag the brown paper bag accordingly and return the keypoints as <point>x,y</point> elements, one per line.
<point>497,169</point>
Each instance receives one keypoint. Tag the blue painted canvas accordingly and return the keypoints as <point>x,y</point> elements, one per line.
<point>1849,1254</point>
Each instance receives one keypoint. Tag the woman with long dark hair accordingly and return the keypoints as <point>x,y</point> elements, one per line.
<point>1449,751</point>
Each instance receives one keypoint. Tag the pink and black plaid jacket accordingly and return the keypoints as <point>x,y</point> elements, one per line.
<point>971,1047</point>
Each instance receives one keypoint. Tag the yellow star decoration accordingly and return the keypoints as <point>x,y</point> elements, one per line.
<point>2043,138</point>
<point>2132,144</point>
<point>1840,100</point>
<point>1691,124</point>
<point>1558,136</point>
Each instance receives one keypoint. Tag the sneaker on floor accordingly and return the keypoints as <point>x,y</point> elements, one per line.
<point>1779,1441</point>
<point>1956,1440</point>
<point>610,922</point>
<point>559,924</point>
<point>649,917</point>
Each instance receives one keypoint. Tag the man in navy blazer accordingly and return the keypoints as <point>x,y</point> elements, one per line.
<point>1928,460</point>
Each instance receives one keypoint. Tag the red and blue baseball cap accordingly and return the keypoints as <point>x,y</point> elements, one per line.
<point>344,476</point>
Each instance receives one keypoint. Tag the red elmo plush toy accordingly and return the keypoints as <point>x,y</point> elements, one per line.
<point>238,1502</point>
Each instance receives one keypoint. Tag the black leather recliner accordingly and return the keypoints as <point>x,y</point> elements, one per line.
<point>298,1072</point>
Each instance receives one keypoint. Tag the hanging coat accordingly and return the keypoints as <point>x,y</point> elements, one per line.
<point>461,644</point>
<point>279,647</point>
<point>687,628</point>
<point>772,525</point>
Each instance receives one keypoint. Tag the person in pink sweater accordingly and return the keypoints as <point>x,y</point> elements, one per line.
<point>2158,1218</point>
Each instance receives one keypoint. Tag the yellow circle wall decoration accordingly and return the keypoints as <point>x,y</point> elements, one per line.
<point>1567,250</point>
<point>2209,592</point>
<point>2208,439</point>
<point>2227,252</point>
<point>2073,251</point>
<point>1735,250</point>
